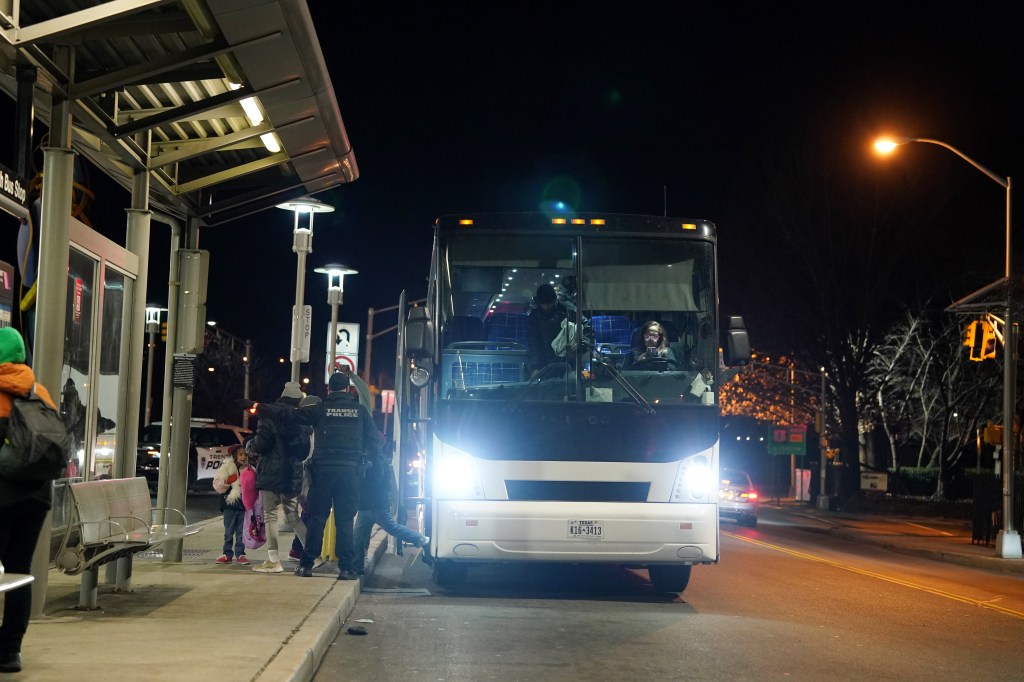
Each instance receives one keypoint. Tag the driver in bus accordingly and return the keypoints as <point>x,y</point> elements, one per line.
<point>651,348</point>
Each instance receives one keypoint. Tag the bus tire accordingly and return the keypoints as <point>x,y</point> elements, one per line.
<point>669,578</point>
<point>448,573</point>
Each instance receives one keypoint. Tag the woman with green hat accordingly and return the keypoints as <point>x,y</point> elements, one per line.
<point>23,505</point>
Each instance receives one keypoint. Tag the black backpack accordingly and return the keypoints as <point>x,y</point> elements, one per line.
<point>38,444</point>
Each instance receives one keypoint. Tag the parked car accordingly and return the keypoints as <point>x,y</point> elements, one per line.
<point>208,448</point>
<point>737,498</point>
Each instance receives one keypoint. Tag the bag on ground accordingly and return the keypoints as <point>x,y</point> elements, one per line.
<point>38,445</point>
<point>254,528</point>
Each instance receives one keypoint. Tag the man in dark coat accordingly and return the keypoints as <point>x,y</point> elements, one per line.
<point>281,445</point>
<point>345,438</point>
<point>375,508</point>
<point>543,325</point>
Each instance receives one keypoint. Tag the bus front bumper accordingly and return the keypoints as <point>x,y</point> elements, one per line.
<point>632,534</point>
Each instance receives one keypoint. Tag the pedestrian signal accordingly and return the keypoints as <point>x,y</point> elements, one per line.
<point>988,340</point>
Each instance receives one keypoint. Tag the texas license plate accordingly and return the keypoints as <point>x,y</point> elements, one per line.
<point>587,530</point>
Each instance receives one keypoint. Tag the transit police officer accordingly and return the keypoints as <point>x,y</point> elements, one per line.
<point>345,437</point>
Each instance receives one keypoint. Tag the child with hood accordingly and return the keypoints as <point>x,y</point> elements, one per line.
<point>228,482</point>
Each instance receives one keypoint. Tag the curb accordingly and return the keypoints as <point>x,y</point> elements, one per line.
<point>300,656</point>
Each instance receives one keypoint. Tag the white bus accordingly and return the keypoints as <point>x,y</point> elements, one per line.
<point>594,457</point>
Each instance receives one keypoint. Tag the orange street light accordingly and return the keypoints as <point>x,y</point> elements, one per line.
<point>1008,542</point>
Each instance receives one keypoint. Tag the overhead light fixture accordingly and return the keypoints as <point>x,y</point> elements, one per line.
<point>271,142</point>
<point>249,106</point>
<point>252,111</point>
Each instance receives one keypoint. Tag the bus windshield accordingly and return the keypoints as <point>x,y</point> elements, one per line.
<point>586,318</point>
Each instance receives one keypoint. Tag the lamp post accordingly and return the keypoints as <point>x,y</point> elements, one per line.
<point>302,245</point>
<point>335,288</point>
<point>152,327</point>
<point>1008,545</point>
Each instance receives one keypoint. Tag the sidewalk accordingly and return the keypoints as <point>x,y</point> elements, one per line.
<point>194,620</point>
<point>947,540</point>
<point>199,621</point>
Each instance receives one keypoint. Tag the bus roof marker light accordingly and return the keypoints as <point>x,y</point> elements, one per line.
<point>689,226</point>
<point>578,221</point>
<point>597,221</point>
<point>558,221</point>
<point>465,222</point>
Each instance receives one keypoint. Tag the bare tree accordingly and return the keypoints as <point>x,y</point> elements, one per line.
<point>929,399</point>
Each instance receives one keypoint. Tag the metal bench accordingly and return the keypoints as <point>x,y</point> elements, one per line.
<point>112,520</point>
<point>12,581</point>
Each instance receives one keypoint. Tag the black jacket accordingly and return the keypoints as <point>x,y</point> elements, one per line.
<point>345,434</point>
<point>542,327</point>
<point>281,444</point>
<point>379,489</point>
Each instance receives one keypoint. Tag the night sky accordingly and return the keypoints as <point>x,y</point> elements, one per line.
<point>628,108</point>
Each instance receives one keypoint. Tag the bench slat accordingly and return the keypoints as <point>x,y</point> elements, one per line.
<point>112,517</point>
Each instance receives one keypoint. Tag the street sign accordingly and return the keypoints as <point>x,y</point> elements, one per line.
<point>387,401</point>
<point>788,440</point>
<point>343,363</point>
<point>305,326</point>
<point>346,341</point>
<point>346,349</point>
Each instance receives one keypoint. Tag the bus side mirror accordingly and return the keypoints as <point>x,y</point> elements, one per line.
<point>419,334</point>
<point>735,342</point>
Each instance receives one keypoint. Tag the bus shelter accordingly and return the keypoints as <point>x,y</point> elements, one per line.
<point>205,111</point>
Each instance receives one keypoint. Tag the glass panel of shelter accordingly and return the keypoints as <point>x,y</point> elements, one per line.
<point>97,312</point>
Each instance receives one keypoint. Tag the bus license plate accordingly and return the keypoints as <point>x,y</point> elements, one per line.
<point>586,530</point>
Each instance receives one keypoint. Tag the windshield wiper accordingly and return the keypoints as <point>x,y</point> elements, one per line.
<point>544,373</point>
<point>624,383</point>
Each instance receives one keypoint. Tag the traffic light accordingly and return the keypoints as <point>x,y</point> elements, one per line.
<point>970,333</point>
<point>988,342</point>
<point>974,339</point>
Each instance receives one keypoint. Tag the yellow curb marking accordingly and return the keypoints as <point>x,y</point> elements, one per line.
<point>880,576</point>
<point>934,530</point>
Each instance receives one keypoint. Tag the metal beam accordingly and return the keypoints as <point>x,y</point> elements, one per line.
<point>231,173</point>
<point>189,149</point>
<point>144,72</point>
<point>54,28</point>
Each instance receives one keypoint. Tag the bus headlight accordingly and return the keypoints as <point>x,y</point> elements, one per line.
<point>455,475</point>
<point>695,480</point>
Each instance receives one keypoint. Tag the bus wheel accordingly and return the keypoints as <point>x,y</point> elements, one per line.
<point>449,573</point>
<point>669,578</point>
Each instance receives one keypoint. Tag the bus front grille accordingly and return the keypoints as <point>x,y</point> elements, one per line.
<point>577,491</point>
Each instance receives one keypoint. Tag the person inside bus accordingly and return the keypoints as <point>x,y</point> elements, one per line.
<point>542,326</point>
<point>651,349</point>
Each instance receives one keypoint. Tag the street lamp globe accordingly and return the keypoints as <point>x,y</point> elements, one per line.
<point>302,245</point>
<point>153,311</point>
<point>335,287</point>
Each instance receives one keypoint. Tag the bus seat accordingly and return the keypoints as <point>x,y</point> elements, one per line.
<point>612,329</point>
<point>507,327</point>
<point>463,328</point>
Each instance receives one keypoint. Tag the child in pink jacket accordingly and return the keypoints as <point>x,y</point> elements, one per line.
<point>229,482</point>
